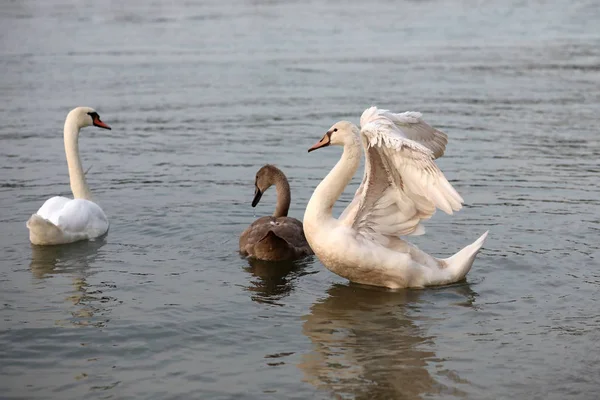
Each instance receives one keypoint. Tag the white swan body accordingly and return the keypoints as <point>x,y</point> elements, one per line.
<point>62,220</point>
<point>401,186</point>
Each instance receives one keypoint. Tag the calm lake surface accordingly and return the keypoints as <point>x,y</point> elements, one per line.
<point>200,96</point>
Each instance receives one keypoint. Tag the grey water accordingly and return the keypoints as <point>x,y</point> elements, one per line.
<point>199,96</point>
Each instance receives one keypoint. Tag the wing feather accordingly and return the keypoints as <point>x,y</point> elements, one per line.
<point>401,185</point>
<point>410,125</point>
<point>79,215</point>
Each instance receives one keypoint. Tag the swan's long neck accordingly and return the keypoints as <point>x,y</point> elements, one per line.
<point>79,186</point>
<point>321,203</point>
<point>283,196</point>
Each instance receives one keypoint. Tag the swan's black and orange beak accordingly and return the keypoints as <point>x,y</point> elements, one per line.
<point>101,124</point>
<point>97,122</point>
<point>257,196</point>
<point>324,142</point>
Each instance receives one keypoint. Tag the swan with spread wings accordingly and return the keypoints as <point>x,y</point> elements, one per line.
<point>401,187</point>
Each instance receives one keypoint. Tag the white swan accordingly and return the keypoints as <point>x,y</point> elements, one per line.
<point>62,220</point>
<point>401,186</point>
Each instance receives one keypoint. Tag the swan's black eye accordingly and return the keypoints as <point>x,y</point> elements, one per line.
<point>335,130</point>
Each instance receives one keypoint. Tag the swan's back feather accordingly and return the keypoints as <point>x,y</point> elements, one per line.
<point>74,219</point>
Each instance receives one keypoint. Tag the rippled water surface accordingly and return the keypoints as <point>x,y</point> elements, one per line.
<point>199,96</point>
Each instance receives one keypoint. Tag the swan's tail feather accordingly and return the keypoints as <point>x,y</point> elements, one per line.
<point>460,263</point>
<point>42,231</point>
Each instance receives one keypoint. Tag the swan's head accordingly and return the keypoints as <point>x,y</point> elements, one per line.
<point>85,116</point>
<point>265,178</point>
<point>341,133</point>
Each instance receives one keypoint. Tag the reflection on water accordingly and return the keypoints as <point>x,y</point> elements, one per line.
<point>74,260</point>
<point>69,258</point>
<point>368,343</point>
<point>274,280</point>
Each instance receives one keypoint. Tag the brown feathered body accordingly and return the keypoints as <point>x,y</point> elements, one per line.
<point>277,237</point>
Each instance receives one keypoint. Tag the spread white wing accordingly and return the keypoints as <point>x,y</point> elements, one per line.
<point>410,126</point>
<point>401,185</point>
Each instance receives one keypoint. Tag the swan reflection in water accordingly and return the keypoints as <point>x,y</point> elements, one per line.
<point>272,280</point>
<point>368,344</point>
<point>73,260</point>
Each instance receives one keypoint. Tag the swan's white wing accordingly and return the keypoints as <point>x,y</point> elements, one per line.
<point>83,216</point>
<point>410,126</point>
<point>402,185</point>
<point>51,208</point>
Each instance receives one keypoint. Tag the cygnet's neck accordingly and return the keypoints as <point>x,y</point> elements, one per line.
<point>283,195</point>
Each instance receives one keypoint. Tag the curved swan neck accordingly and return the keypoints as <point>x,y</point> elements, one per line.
<point>79,185</point>
<point>329,190</point>
<point>282,187</point>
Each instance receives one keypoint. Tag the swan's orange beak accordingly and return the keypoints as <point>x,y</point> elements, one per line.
<point>322,143</point>
<point>100,124</point>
